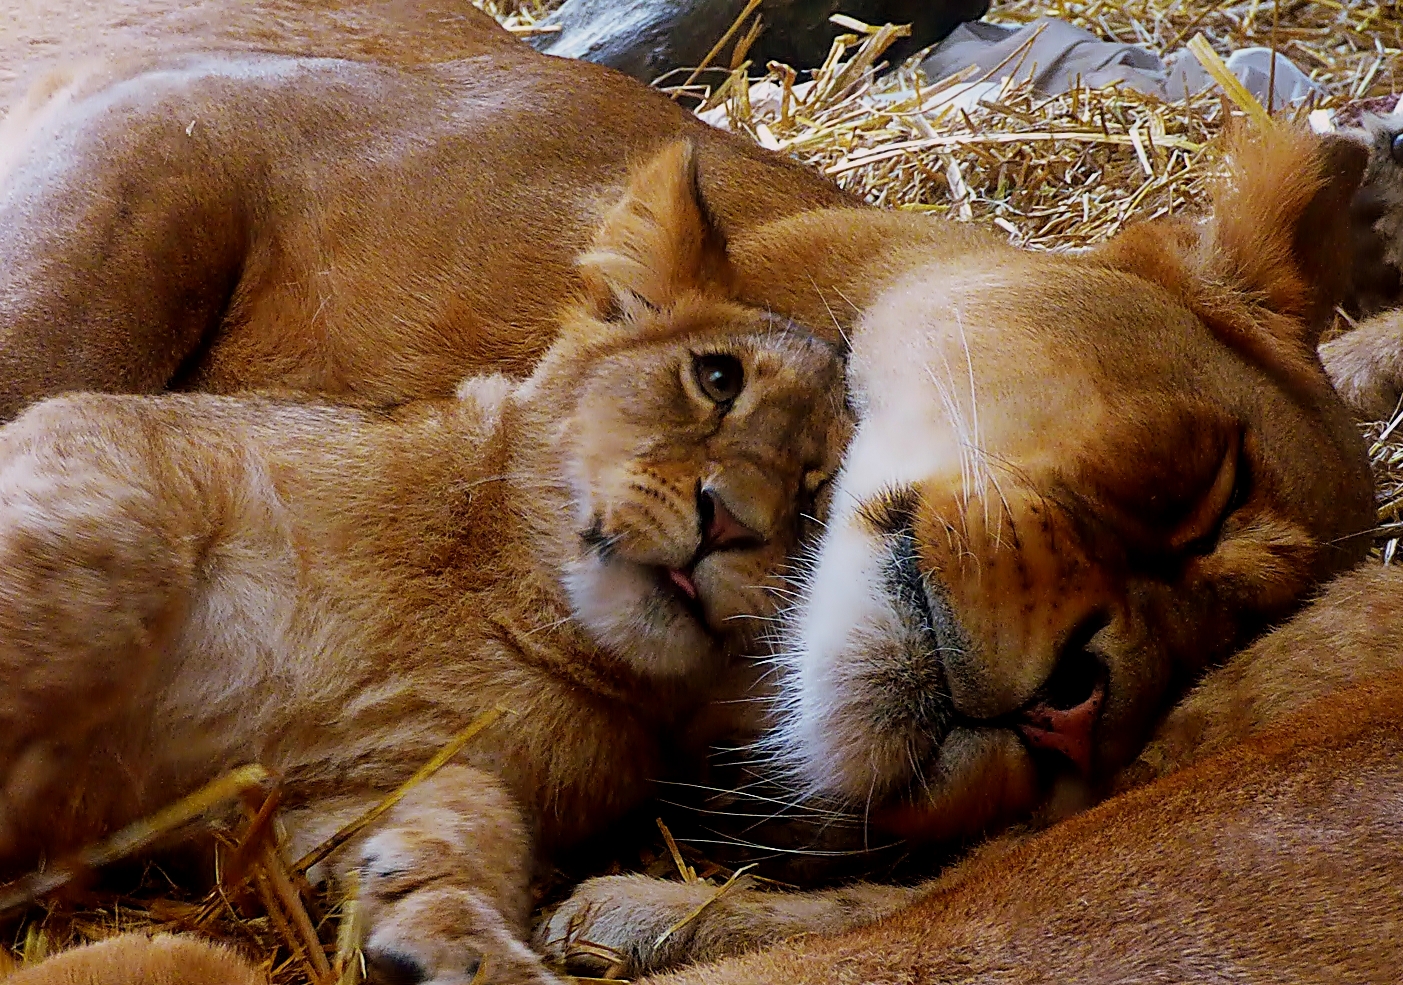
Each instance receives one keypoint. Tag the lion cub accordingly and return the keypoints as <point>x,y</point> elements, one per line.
<point>193,582</point>
<point>1366,363</point>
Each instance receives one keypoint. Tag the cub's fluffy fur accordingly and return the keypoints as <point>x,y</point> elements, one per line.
<point>189,582</point>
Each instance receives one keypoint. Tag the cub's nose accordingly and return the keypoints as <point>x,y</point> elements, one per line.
<point>720,529</point>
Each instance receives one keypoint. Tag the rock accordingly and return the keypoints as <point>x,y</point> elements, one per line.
<point>646,38</point>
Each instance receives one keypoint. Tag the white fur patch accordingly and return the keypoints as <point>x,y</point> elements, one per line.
<point>913,371</point>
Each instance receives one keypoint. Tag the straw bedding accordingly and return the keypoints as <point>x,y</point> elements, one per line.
<point>1059,173</point>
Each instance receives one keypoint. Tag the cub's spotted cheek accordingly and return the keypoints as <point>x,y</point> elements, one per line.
<point>720,377</point>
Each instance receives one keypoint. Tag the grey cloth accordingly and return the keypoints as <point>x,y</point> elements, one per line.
<point>1054,55</point>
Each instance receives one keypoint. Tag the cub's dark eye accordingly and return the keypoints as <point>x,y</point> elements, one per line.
<point>1396,148</point>
<point>720,377</point>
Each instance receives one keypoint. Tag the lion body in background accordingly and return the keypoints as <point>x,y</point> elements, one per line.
<point>1076,483</point>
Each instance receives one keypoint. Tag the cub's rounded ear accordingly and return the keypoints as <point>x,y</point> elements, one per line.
<point>657,243</point>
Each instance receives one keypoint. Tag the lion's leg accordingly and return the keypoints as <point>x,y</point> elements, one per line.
<point>634,925</point>
<point>93,585</point>
<point>124,227</point>
<point>135,959</point>
<point>444,884</point>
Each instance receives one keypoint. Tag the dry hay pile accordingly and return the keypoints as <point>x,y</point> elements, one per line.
<point>1051,173</point>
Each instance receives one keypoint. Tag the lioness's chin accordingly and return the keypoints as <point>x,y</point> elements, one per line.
<point>978,779</point>
<point>630,610</point>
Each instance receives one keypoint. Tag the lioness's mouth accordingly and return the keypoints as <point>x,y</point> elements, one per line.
<point>1061,726</point>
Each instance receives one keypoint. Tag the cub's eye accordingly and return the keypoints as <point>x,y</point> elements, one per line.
<point>1395,148</point>
<point>720,377</point>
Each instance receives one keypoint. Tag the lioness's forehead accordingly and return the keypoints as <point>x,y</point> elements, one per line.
<point>1027,364</point>
<point>1032,319</point>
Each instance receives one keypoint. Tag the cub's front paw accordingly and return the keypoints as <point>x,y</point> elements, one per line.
<point>446,935</point>
<point>618,926</point>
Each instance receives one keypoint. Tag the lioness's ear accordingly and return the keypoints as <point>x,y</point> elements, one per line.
<point>1270,264</point>
<point>658,242</point>
<point>1281,224</point>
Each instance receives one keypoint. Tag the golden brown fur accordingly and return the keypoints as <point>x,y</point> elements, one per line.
<point>1097,475</point>
<point>190,582</point>
<point>1080,485</point>
<point>1275,860</point>
<point>282,194</point>
<point>1264,847</point>
<point>1055,439</point>
<point>864,717</point>
<point>164,959</point>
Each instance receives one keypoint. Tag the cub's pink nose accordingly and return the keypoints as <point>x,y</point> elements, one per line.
<point>720,529</point>
<point>1064,730</point>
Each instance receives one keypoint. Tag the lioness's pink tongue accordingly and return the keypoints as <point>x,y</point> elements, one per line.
<point>680,579</point>
<point>1064,730</point>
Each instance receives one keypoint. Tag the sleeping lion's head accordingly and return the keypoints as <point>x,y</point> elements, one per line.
<point>693,436</point>
<point>1075,482</point>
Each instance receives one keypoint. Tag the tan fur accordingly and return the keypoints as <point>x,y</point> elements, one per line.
<point>1273,861</point>
<point>1366,366</point>
<point>1042,438</point>
<point>1350,636</point>
<point>1037,481</point>
<point>194,582</point>
<point>368,199</point>
<point>1324,688</point>
<point>164,959</point>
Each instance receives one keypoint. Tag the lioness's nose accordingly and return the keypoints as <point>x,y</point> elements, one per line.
<point>719,527</point>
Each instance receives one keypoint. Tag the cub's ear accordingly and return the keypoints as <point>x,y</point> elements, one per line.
<point>658,243</point>
<point>1270,264</point>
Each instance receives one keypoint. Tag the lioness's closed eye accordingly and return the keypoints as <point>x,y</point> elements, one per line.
<point>191,582</point>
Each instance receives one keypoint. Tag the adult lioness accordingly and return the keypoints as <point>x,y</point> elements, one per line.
<point>191,582</point>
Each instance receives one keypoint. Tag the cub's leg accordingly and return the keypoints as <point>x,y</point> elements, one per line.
<point>1366,366</point>
<point>445,884</point>
<point>92,586</point>
<point>635,925</point>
